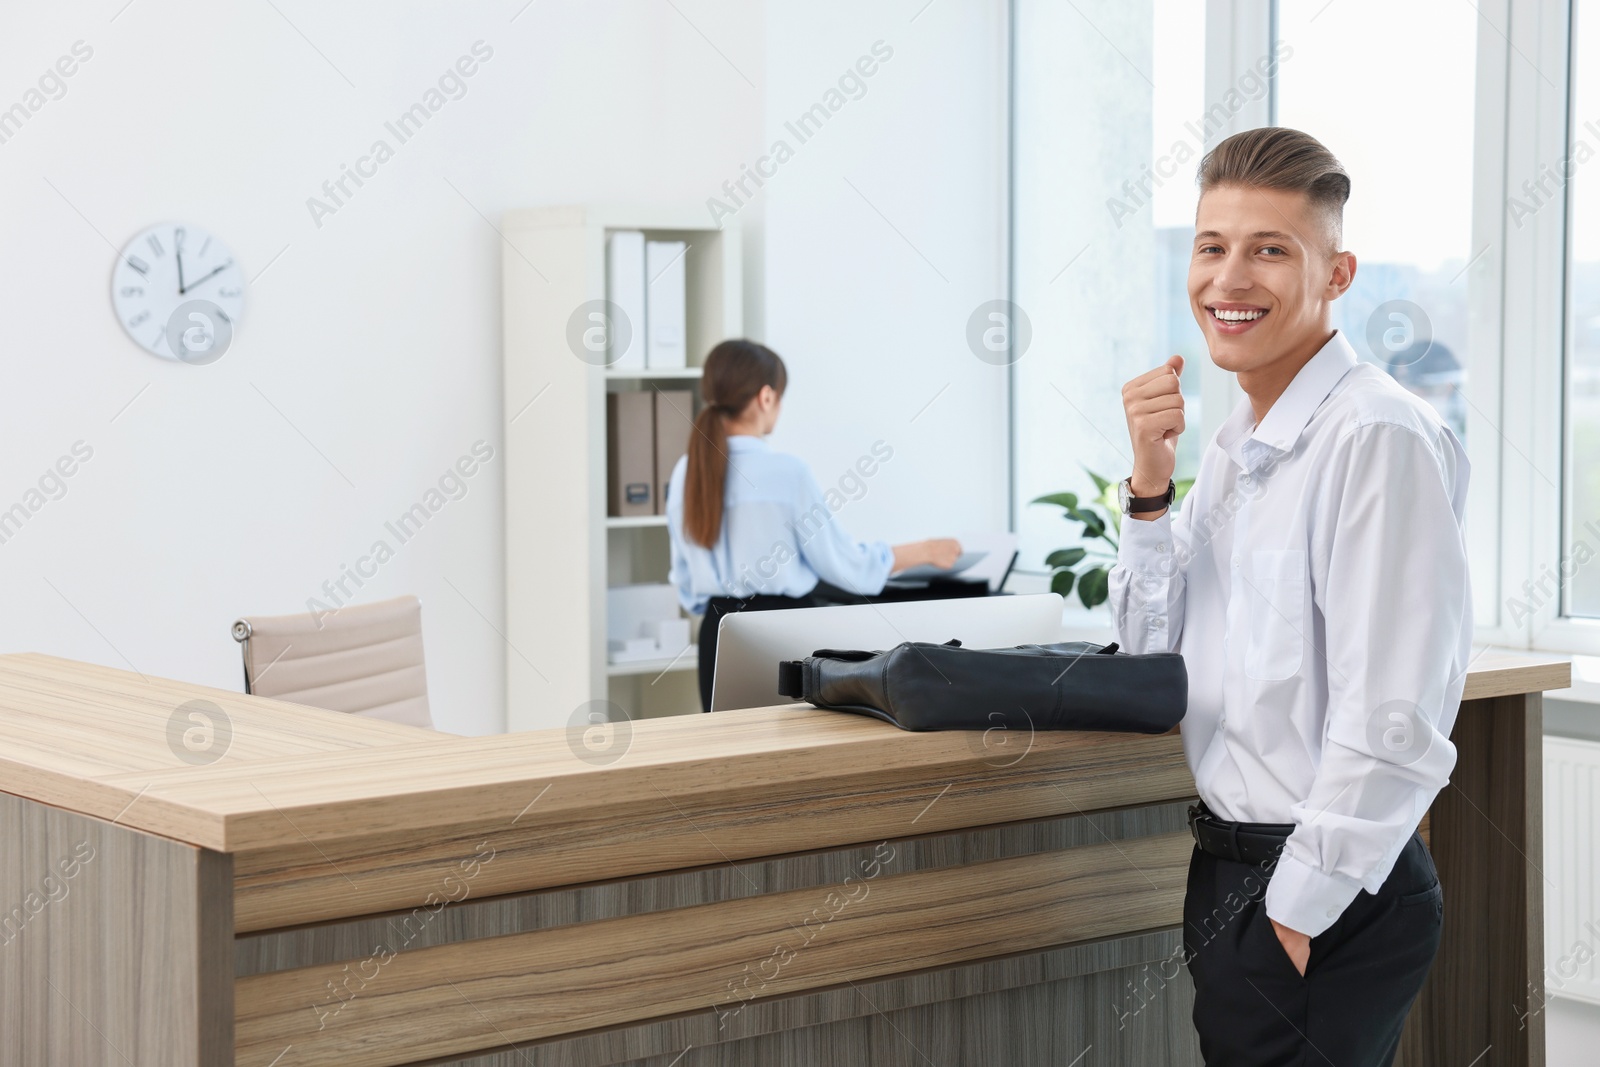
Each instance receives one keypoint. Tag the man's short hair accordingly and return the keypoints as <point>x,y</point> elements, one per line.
<point>1276,157</point>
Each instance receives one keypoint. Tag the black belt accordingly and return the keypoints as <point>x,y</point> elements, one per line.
<point>1255,843</point>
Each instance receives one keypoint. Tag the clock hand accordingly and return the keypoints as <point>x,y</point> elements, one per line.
<point>197,281</point>
<point>179,254</point>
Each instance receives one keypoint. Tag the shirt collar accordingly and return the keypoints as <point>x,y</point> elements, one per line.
<point>1280,429</point>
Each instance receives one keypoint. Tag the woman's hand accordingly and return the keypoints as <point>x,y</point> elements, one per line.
<point>941,552</point>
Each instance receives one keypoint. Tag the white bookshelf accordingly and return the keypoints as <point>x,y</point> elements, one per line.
<point>562,550</point>
<point>689,660</point>
<point>634,522</point>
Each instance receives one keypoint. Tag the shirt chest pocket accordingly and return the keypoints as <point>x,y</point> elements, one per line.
<point>1275,588</point>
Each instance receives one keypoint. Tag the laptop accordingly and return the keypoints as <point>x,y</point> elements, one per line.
<point>751,644</point>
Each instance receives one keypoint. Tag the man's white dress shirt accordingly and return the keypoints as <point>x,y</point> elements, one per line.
<point>1315,581</point>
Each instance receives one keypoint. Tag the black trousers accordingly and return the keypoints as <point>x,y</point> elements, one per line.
<point>1252,1008</point>
<point>727,605</point>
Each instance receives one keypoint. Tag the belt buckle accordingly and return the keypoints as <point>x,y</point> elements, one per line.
<point>1194,824</point>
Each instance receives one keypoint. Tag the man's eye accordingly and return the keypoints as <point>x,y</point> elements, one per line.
<point>1210,248</point>
<point>1274,250</point>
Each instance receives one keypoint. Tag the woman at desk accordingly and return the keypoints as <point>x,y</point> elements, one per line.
<point>750,528</point>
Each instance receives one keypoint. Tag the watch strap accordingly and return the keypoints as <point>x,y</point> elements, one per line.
<point>1140,504</point>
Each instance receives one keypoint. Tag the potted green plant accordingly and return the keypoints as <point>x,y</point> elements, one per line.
<point>1088,565</point>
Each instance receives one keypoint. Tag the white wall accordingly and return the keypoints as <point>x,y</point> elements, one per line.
<point>882,234</point>
<point>368,358</point>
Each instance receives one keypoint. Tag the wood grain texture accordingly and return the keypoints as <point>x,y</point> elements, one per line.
<point>80,721</point>
<point>1135,1008</point>
<point>477,995</point>
<point>1498,672</point>
<point>1060,1024</point>
<point>1486,989</point>
<point>474,917</point>
<point>117,945</point>
<point>768,756</point>
<point>671,816</point>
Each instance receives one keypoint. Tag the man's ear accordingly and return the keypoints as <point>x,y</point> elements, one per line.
<point>1342,275</point>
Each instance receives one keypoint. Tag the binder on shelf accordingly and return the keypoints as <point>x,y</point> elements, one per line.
<point>674,424</point>
<point>630,454</point>
<point>625,289</point>
<point>666,304</point>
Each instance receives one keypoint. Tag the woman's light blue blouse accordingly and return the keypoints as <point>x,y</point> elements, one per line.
<point>778,535</point>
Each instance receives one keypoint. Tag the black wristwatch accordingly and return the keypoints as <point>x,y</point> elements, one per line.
<point>1131,503</point>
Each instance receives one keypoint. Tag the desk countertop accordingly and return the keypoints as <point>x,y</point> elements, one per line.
<point>96,741</point>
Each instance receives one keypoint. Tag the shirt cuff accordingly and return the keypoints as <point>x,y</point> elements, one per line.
<point>1305,899</point>
<point>1146,544</point>
<point>883,563</point>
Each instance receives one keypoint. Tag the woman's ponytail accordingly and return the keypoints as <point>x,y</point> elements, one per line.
<point>704,482</point>
<point>735,372</point>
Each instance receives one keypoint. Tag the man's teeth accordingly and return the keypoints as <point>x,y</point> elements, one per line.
<point>1238,316</point>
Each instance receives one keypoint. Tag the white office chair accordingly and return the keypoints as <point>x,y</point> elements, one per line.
<point>362,659</point>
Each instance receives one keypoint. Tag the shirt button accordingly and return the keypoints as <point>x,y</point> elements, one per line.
<point>1333,913</point>
<point>1236,561</point>
<point>1161,546</point>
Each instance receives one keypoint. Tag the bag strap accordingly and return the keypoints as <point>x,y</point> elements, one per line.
<point>791,673</point>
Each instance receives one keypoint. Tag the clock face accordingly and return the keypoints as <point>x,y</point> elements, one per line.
<point>178,293</point>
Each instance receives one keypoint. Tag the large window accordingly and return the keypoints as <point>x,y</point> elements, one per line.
<point>1472,134</point>
<point>1108,109</point>
<point>1400,118</point>
<point>1581,541</point>
<point>1405,130</point>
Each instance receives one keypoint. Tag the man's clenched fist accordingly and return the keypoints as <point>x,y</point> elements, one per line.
<point>1154,405</point>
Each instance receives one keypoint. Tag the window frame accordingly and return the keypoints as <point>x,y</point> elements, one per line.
<point>1548,25</point>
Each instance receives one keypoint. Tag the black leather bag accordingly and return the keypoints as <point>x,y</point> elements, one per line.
<point>1075,685</point>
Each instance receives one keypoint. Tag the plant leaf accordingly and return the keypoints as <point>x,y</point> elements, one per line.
<point>1062,582</point>
<point>1093,587</point>
<point>1065,557</point>
<point>1100,483</point>
<point>1181,489</point>
<point>1065,500</point>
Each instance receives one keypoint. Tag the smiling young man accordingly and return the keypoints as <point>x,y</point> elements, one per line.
<point>1315,581</point>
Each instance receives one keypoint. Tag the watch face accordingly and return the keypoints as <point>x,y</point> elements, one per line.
<point>178,293</point>
<point>1123,495</point>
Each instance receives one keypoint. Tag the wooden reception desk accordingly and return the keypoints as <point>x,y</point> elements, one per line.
<point>242,881</point>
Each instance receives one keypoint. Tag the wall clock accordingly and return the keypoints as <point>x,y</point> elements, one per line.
<point>178,293</point>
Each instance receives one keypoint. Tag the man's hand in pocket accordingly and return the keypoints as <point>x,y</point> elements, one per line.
<point>1296,944</point>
